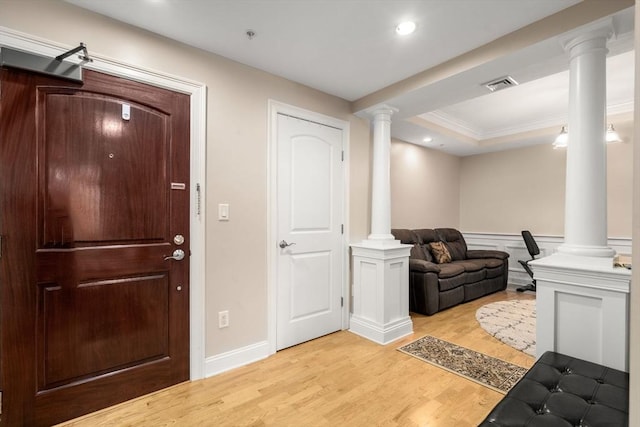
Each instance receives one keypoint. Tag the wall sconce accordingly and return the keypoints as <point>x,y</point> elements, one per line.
<point>562,139</point>
<point>612,135</point>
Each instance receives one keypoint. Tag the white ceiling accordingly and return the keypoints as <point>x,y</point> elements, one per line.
<point>513,116</point>
<point>349,48</point>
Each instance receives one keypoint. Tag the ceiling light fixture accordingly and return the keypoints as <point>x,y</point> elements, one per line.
<point>427,139</point>
<point>405,28</point>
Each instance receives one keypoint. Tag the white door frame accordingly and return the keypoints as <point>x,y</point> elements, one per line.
<point>198,93</point>
<point>275,108</point>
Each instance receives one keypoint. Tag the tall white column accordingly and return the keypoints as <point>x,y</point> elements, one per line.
<point>381,177</point>
<point>381,263</point>
<point>582,298</point>
<point>585,224</point>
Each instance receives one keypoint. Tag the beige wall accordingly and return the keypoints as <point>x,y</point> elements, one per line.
<point>236,271</point>
<point>502,192</point>
<point>425,187</point>
<point>513,190</point>
<point>620,183</point>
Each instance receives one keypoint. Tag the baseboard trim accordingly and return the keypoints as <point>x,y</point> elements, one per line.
<point>223,362</point>
<point>381,334</point>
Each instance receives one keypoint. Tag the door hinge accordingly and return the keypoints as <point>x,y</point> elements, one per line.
<point>341,228</point>
<point>0,256</point>
<point>341,301</point>
<point>343,155</point>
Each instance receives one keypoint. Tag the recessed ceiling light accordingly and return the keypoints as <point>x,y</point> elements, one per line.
<point>427,139</point>
<point>405,28</point>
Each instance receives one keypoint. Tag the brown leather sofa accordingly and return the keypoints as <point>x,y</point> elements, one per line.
<point>463,276</point>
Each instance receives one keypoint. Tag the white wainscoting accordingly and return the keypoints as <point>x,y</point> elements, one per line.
<point>515,247</point>
<point>583,309</point>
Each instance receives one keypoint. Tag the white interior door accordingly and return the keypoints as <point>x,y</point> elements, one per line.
<point>310,220</point>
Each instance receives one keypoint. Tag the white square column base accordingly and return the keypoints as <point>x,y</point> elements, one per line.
<point>582,306</point>
<point>381,291</point>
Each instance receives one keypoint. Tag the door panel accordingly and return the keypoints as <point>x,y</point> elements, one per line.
<point>312,166</point>
<point>92,312</point>
<point>310,188</point>
<point>93,327</point>
<point>310,284</point>
<point>101,181</point>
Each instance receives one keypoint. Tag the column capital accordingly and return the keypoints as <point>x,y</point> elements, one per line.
<point>601,31</point>
<point>381,112</point>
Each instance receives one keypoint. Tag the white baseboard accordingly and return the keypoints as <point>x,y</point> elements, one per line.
<point>378,333</point>
<point>223,362</point>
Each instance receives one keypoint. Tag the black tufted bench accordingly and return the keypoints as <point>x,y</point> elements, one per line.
<point>564,391</point>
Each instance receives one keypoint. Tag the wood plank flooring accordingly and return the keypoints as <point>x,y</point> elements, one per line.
<point>337,380</point>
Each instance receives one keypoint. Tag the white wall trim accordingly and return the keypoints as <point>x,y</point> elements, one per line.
<point>235,358</point>
<point>514,245</point>
<point>274,108</point>
<point>198,94</point>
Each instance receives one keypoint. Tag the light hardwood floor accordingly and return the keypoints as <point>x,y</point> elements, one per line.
<point>337,380</point>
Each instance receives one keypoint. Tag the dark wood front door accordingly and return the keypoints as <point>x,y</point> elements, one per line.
<point>94,188</point>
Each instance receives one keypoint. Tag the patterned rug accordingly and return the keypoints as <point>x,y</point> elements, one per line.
<point>512,322</point>
<point>480,368</point>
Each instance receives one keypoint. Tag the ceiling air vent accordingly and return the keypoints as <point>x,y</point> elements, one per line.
<point>500,83</point>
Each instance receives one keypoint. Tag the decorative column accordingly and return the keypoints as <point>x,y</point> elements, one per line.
<point>381,263</point>
<point>381,176</point>
<point>585,224</point>
<point>582,300</point>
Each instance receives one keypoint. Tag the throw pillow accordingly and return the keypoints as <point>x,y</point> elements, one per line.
<point>457,250</point>
<point>440,252</point>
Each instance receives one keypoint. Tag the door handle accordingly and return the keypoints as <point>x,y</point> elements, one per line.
<point>284,244</point>
<point>178,254</point>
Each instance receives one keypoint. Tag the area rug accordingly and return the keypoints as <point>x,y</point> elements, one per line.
<point>512,322</point>
<point>488,371</point>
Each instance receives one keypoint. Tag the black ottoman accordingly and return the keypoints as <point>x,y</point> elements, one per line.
<point>564,391</point>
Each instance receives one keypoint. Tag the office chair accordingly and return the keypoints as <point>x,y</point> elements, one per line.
<point>533,249</point>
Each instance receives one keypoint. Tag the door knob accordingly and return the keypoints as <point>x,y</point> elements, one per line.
<point>284,244</point>
<point>178,254</point>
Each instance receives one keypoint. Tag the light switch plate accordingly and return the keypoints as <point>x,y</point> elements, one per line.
<point>223,212</point>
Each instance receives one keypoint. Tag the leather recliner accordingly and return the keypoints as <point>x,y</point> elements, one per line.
<point>468,275</point>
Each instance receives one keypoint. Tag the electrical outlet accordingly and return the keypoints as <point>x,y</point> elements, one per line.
<point>223,319</point>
